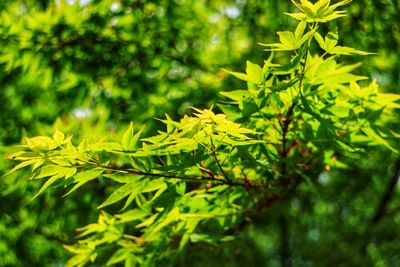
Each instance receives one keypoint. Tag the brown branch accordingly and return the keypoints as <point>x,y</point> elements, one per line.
<point>285,130</point>
<point>288,119</point>
<point>380,211</point>
<point>198,179</point>
<point>214,154</point>
<point>384,200</point>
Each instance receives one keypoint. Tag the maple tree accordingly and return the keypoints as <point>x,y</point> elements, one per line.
<point>211,173</point>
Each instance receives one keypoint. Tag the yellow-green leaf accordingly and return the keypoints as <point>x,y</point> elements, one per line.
<point>127,137</point>
<point>58,137</point>
<point>41,143</point>
<point>84,177</point>
<point>133,188</point>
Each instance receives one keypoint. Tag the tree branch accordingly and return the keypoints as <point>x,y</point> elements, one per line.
<point>384,200</point>
<point>284,235</point>
<point>214,154</point>
<point>198,179</point>
<point>288,119</point>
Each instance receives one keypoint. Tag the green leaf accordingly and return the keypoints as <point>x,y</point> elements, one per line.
<point>196,238</point>
<point>131,197</point>
<point>85,253</point>
<point>254,73</point>
<point>133,189</point>
<point>237,95</point>
<point>83,177</point>
<point>238,75</point>
<point>106,146</point>
<point>342,50</point>
<point>123,178</point>
<point>331,40</point>
<point>24,155</point>
<point>159,192</point>
<point>318,12</point>
<point>83,146</point>
<point>49,182</point>
<point>133,144</point>
<point>171,217</point>
<point>38,164</point>
<point>181,188</point>
<point>320,40</point>
<point>120,255</point>
<point>388,100</point>
<point>130,139</point>
<point>298,34</point>
<point>132,215</point>
<point>190,227</point>
<point>58,137</point>
<point>149,221</point>
<point>50,170</point>
<point>22,165</point>
<point>41,143</point>
<point>154,185</point>
<point>289,41</point>
<point>377,138</point>
<point>127,137</point>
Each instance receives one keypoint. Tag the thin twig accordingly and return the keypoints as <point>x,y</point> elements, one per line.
<point>288,118</point>
<point>197,179</point>
<point>214,154</point>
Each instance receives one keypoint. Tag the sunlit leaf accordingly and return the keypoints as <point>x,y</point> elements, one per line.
<point>83,177</point>
<point>133,188</point>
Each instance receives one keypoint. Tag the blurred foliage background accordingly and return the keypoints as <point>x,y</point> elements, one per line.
<point>89,67</point>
